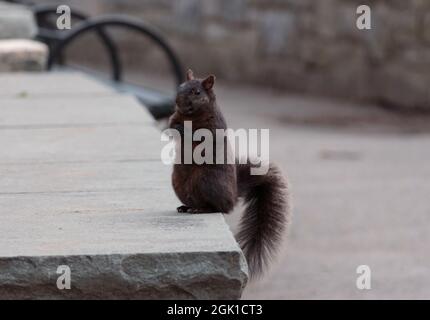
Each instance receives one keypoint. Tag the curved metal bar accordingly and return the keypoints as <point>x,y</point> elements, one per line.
<point>23,2</point>
<point>121,21</point>
<point>48,35</point>
<point>41,10</point>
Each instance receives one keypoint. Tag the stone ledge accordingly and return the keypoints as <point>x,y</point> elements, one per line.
<point>22,55</point>
<point>193,275</point>
<point>91,193</point>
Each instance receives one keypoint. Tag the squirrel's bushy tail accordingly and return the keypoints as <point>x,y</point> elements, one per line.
<point>265,218</point>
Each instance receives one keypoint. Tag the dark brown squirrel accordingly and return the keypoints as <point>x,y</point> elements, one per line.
<point>206,188</point>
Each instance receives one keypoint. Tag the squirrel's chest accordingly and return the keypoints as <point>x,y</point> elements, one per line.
<point>186,181</point>
<point>186,175</point>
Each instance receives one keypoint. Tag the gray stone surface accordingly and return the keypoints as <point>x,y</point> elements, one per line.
<point>82,185</point>
<point>22,85</point>
<point>60,110</point>
<point>22,55</point>
<point>16,22</point>
<point>73,144</point>
<point>185,275</point>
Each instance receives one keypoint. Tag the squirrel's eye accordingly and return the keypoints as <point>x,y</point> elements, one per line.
<point>197,92</point>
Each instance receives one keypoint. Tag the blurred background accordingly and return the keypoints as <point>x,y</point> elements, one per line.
<point>303,46</point>
<point>349,118</point>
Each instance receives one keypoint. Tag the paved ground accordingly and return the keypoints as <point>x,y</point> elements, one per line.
<point>360,185</point>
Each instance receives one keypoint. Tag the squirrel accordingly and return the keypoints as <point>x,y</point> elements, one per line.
<point>209,188</point>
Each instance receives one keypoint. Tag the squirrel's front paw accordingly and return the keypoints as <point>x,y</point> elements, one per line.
<point>179,127</point>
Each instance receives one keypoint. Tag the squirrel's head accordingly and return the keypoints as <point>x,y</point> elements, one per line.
<point>194,95</point>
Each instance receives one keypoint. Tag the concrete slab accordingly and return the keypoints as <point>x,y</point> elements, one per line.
<point>117,201</point>
<point>80,143</point>
<point>33,85</point>
<point>75,177</point>
<point>66,111</point>
<point>82,185</point>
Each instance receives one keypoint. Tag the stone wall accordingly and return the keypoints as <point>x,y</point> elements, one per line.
<point>305,46</point>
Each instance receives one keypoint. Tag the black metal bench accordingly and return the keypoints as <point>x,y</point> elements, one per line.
<point>159,104</point>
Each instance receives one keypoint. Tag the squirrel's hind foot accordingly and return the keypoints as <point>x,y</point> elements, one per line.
<point>187,209</point>
<point>183,209</point>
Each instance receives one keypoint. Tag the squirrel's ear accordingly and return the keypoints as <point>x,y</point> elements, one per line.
<point>208,83</point>
<point>190,75</point>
